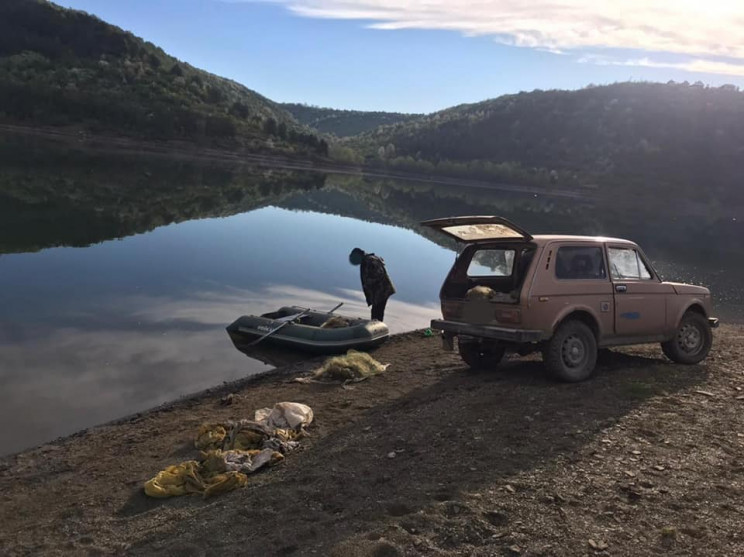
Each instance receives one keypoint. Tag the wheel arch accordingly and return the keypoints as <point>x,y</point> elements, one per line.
<point>695,306</point>
<point>583,315</point>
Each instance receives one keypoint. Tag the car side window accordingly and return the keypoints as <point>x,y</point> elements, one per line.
<point>580,262</point>
<point>626,263</point>
<point>492,263</point>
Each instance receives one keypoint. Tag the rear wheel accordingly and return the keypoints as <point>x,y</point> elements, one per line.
<point>480,355</point>
<point>571,354</point>
<point>691,342</point>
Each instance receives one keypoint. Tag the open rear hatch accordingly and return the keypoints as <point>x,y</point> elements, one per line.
<point>487,292</point>
<point>478,228</point>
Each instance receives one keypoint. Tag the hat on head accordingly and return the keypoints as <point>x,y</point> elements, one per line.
<point>356,256</point>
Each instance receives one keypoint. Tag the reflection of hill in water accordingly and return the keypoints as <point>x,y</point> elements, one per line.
<point>71,198</point>
<point>685,247</point>
<point>689,236</point>
<point>406,204</point>
<point>74,198</point>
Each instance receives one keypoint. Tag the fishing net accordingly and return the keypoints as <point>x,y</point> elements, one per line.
<point>354,366</point>
<point>336,322</point>
<point>480,293</point>
<point>230,451</point>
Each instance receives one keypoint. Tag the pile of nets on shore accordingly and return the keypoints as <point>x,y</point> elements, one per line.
<point>231,451</point>
<point>352,367</point>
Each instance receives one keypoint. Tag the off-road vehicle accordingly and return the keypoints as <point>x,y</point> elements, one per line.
<point>565,296</point>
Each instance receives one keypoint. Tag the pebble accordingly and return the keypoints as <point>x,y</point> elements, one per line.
<point>598,545</point>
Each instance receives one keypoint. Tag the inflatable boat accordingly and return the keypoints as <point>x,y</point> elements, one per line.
<point>309,330</point>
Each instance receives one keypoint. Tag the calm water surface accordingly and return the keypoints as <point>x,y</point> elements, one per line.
<point>90,334</point>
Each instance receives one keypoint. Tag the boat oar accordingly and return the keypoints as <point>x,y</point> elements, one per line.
<point>295,318</point>
<point>335,308</point>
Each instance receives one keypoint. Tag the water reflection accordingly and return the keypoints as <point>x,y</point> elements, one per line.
<point>63,375</point>
<point>175,251</point>
<point>89,335</point>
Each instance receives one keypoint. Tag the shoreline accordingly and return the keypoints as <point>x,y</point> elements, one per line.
<point>424,459</point>
<point>226,387</point>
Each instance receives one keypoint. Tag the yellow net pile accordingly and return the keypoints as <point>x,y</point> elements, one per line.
<point>218,472</point>
<point>353,366</point>
<point>480,293</point>
<point>336,322</point>
<point>230,451</point>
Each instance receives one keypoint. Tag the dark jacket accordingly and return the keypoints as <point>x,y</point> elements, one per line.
<point>376,283</point>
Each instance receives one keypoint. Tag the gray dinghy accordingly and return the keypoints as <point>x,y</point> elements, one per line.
<point>303,330</point>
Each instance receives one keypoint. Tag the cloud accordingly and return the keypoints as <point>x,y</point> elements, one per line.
<point>220,308</point>
<point>696,65</point>
<point>701,30</point>
<point>85,373</point>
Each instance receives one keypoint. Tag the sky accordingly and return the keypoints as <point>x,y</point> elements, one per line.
<point>426,55</point>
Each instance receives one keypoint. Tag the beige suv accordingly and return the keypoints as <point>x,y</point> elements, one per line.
<point>566,296</point>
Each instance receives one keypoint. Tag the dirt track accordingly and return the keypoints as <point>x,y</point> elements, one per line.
<point>646,458</point>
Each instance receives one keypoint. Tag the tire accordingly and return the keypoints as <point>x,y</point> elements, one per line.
<point>479,355</point>
<point>692,341</point>
<point>571,354</point>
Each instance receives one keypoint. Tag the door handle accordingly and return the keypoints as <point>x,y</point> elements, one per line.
<point>621,288</point>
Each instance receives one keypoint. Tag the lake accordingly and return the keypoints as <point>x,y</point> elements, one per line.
<point>119,274</point>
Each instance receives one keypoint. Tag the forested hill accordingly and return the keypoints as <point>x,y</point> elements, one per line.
<point>678,137</point>
<point>344,123</point>
<point>61,67</point>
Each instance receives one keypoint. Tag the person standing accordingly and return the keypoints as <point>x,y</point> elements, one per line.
<point>376,283</point>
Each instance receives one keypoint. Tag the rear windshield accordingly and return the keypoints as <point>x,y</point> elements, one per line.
<point>496,262</point>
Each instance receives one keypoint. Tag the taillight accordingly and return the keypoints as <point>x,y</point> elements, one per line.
<point>513,316</point>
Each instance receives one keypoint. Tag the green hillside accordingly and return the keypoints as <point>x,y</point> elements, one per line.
<point>61,67</point>
<point>681,138</point>
<point>344,123</point>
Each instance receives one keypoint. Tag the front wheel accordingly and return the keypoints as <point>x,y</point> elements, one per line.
<point>691,342</point>
<point>479,355</point>
<point>571,354</point>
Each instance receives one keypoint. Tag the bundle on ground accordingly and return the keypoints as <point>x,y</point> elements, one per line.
<point>232,450</point>
<point>352,366</point>
<point>218,472</point>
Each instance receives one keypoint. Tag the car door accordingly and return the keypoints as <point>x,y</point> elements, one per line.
<point>640,297</point>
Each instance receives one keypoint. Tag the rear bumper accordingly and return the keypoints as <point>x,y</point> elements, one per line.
<point>487,331</point>
<point>713,322</point>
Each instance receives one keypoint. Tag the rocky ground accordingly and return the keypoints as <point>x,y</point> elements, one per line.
<point>646,458</point>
